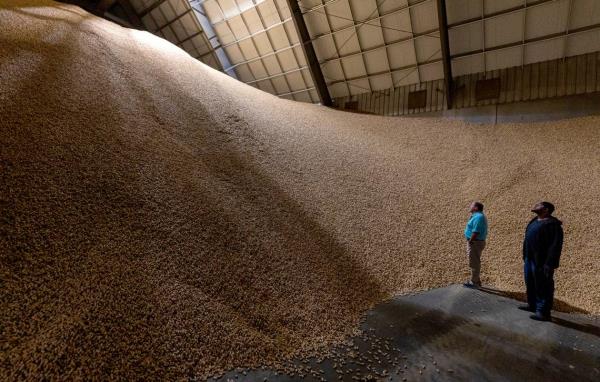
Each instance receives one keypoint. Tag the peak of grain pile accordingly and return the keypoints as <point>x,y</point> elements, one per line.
<point>160,220</point>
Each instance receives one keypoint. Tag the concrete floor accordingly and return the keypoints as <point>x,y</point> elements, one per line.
<point>455,334</point>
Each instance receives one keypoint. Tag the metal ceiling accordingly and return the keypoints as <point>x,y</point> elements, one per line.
<point>263,46</point>
<point>498,34</point>
<point>182,24</point>
<point>364,46</point>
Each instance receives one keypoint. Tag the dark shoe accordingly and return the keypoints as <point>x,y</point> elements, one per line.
<point>471,285</point>
<point>540,317</point>
<point>526,308</point>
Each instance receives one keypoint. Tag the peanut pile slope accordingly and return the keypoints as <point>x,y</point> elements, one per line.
<point>160,220</point>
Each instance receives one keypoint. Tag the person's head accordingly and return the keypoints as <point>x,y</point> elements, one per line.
<point>543,209</point>
<point>476,207</point>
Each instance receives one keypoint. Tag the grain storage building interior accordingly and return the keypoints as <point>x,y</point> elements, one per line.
<point>278,189</point>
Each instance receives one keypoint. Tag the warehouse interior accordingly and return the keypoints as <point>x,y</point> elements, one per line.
<point>277,189</point>
<point>372,54</point>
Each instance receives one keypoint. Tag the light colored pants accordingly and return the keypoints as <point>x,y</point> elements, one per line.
<point>474,251</point>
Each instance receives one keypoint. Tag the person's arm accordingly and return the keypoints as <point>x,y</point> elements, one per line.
<point>555,247</point>
<point>524,238</point>
<point>477,225</point>
<point>473,237</point>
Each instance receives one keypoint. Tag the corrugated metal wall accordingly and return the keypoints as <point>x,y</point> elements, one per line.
<point>541,80</point>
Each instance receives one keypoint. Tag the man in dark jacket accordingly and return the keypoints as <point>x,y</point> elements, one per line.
<point>541,253</point>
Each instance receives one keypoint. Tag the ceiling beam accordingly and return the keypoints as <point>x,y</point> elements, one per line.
<point>367,21</point>
<point>445,44</point>
<point>390,71</point>
<point>152,7</point>
<point>188,38</point>
<point>309,51</point>
<point>189,10</point>
<point>552,36</point>
<point>485,16</point>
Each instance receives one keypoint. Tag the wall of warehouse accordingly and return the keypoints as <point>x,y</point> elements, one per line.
<point>574,75</point>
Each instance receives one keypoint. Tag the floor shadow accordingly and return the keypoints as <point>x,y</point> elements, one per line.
<point>585,328</point>
<point>559,305</point>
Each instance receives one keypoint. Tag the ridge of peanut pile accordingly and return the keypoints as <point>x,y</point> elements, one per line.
<point>160,220</point>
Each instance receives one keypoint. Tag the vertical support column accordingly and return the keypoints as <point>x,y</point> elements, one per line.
<point>445,44</point>
<point>135,19</point>
<point>309,52</point>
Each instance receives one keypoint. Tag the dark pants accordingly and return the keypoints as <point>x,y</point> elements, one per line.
<point>540,288</point>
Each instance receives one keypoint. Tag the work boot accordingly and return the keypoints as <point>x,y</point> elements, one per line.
<point>470,284</point>
<point>540,317</point>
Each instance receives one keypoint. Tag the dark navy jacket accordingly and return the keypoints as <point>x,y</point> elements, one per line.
<point>547,244</point>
